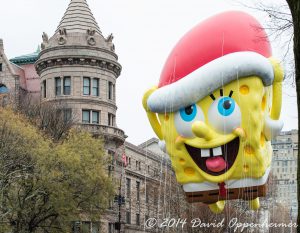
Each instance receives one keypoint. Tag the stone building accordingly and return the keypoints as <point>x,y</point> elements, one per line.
<point>284,169</point>
<point>76,69</point>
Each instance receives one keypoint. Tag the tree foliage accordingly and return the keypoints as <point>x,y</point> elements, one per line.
<point>45,184</point>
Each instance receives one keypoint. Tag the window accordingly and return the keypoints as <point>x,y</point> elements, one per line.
<point>57,86</point>
<point>138,190</point>
<point>138,219</point>
<point>111,227</point>
<point>95,227</point>
<point>88,115</point>
<point>90,227</point>
<point>67,114</point>
<point>110,90</point>
<point>85,116</point>
<point>86,86</point>
<point>1,69</point>
<point>95,90</point>
<point>128,217</point>
<point>128,184</point>
<point>44,89</point>
<point>129,161</point>
<point>95,117</point>
<point>85,227</point>
<point>67,85</point>
<point>76,227</point>
<point>111,119</point>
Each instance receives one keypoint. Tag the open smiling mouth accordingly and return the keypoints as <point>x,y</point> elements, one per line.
<point>215,161</point>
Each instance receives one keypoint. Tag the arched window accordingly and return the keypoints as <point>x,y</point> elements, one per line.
<point>3,89</point>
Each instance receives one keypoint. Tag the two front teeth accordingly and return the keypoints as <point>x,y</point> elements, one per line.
<point>217,151</point>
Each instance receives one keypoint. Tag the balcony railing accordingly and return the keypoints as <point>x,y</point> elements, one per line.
<point>106,131</point>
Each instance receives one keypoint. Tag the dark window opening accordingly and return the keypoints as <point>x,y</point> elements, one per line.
<point>86,116</point>
<point>95,91</point>
<point>111,119</point>
<point>128,183</point>
<point>44,89</point>
<point>57,86</point>
<point>110,90</point>
<point>86,86</point>
<point>128,217</point>
<point>95,117</point>
<point>138,219</point>
<point>138,190</point>
<point>67,85</point>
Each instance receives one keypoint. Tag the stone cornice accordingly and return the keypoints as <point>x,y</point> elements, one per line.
<point>102,63</point>
<point>140,176</point>
<point>77,47</point>
<point>81,100</point>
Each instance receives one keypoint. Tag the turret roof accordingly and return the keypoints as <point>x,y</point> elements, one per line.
<point>78,18</point>
<point>26,59</point>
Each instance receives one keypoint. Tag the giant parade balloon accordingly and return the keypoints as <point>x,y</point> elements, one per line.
<point>217,107</point>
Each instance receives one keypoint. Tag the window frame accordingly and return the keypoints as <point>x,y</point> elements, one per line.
<point>138,219</point>
<point>128,187</point>
<point>45,89</point>
<point>58,87</point>
<point>128,217</point>
<point>89,114</point>
<point>98,117</point>
<point>110,94</point>
<point>65,90</point>
<point>138,189</point>
<point>86,87</point>
<point>96,88</point>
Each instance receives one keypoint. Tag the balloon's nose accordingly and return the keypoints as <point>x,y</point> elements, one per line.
<point>201,130</point>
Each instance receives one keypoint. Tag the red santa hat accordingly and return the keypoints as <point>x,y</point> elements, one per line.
<point>223,48</point>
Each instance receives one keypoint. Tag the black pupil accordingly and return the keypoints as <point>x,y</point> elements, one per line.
<point>189,110</point>
<point>227,104</point>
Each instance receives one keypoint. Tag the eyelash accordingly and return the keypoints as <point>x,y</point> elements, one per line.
<point>221,94</point>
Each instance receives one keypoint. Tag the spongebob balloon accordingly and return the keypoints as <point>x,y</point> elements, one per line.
<point>216,108</point>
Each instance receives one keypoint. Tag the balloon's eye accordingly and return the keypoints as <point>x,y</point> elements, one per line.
<point>188,113</point>
<point>226,106</point>
<point>224,115</point>
<point>185,117</point>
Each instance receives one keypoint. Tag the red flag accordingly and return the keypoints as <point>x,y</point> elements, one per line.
<point>124,159</point>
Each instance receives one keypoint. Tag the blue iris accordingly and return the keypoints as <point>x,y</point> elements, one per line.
<point>226,106</point>
<point>188,113</point>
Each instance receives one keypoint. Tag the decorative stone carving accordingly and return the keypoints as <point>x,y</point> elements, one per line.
<point>109,40</point>
<point>91,32</point>
<point>45,42</point>
<point>90,38</point>
<point>108,66</point>
<point>62,38</point>
<point>91,41</point>
<point>63,31</point>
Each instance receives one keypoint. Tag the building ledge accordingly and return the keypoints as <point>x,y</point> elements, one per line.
<point>108,132</point>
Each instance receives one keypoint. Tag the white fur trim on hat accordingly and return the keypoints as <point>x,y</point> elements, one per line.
<point>206,79</point>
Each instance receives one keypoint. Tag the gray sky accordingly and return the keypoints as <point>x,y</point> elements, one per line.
<point>145,31</point>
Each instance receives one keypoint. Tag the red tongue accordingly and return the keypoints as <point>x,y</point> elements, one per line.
<point>216,164</point>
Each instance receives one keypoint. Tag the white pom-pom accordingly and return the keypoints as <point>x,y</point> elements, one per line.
<point>272,128</point>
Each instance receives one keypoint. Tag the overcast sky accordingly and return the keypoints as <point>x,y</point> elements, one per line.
<point>145,31</point>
